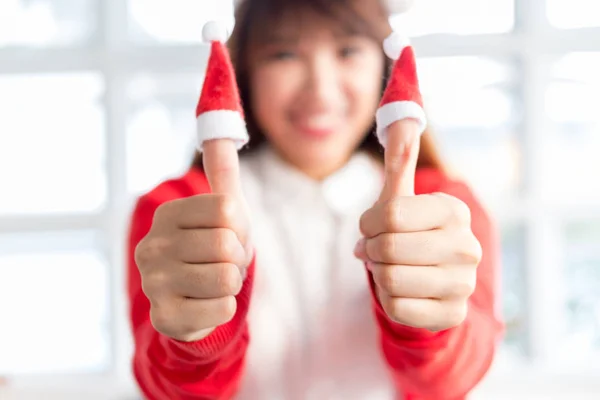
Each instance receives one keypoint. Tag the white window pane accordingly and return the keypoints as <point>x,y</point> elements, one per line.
<point>461,17</point>
<point>568,14</point>
<point>571,151</point>
<point>471,106</point>
<point>581,271</point>
<point>51,144</point>
<point>514,289</point>
<point>175,20</point>
<point>53,303</point>
<point>160,127</point>
<point>47,22</point>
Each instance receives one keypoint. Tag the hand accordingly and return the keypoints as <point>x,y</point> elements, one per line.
<point>420,250</point>
<point>193,260</point>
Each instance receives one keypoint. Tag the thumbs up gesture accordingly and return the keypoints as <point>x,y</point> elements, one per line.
<point>420,249</point>
<point>193,260</point>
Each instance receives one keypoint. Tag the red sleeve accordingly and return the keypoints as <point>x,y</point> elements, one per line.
<point>449,364</point>
<point>166,369</point>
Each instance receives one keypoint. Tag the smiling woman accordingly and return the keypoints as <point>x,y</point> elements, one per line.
<point>292,223</point>
<point>288,52</point>
<point>118,80</point>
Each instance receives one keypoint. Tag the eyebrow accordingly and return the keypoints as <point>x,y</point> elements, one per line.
<point>278,38</point>
<point>288,39</point>
<point>346,34</point>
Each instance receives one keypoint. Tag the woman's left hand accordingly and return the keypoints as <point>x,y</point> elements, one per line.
<point>420,250</point>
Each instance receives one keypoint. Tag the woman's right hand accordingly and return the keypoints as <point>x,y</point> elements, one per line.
<point>194,259</point>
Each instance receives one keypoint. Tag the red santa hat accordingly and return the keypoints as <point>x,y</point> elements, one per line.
<point>402,97</point>
<point>219,114</point>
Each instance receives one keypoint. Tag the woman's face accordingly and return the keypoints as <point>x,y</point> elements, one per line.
<point>314,92</point>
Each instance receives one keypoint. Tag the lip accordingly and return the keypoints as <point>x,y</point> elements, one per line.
<point>315,132</point>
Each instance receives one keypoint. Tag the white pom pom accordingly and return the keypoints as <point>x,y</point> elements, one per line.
<point>394,44</point>
<point>399,6</point>
<point>213,31</point>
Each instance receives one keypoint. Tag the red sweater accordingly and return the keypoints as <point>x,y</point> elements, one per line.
<point>423,365</point>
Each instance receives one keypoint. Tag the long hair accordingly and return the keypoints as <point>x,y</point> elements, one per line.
<point>254,20</point>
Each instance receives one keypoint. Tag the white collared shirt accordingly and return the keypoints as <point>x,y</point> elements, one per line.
<point>313,333</point>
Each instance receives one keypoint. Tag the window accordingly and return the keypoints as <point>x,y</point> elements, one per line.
<point>60,282</point>
<point>459,17</point>
<point>573,142</point>
<point>47,23</point>
<point>581,273</point>
<point>160,121</point>
<point>567,14</point>
<point>514,294</point>
<point>472,103</point>
<point>178,21</point>
<point>511,86</point>
<point>50,123</point>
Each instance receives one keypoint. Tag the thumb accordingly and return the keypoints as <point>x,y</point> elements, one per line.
<point>222,169</point>
<point>222,166</point>
<point>401,156</point>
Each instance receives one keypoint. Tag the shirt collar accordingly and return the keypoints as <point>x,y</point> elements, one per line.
<point>350,190</point>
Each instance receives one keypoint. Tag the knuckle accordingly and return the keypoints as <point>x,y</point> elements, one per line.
<point>149,250</point>
<point>229,280</point>
<point>226,209</point>
<point>161,321</point>
<point>226,244</point>
<point>227,308</point>
<point>471,252</point>
<point>386,247</point>
<point>153,285</point>
<point>477,250</point>
<point>388,281</point>
<point>166,210</point>
<point>391,308</point>
<point>399,312</point>
<point>394,216</point>
<point>464,286</point>
<point>363,222</point>
<point>185,320</point>
<point>461,212</point>
<point>456,314</point>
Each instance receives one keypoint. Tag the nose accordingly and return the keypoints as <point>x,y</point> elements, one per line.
<point>323,82</point>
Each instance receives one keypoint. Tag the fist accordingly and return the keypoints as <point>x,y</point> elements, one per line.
<point>420,250</point>
<point>193,260</point>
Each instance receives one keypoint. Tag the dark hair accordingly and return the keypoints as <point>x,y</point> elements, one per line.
<point>254,20</point>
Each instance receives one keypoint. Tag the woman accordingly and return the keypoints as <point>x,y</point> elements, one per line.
<point>247,279</point>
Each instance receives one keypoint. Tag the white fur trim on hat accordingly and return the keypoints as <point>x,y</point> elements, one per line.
<point>397,111</point>
<point>222,124</point>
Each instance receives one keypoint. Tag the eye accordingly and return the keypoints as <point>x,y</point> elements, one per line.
<point>349,51</point>
<point>282,55</point>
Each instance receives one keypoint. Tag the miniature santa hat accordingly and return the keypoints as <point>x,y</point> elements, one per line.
<point>219,114</point>
<point>402,97</point>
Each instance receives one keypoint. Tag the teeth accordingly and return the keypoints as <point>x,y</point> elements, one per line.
<point>319,122</point>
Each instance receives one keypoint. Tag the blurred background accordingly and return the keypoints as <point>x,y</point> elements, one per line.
<point>97,101</point>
